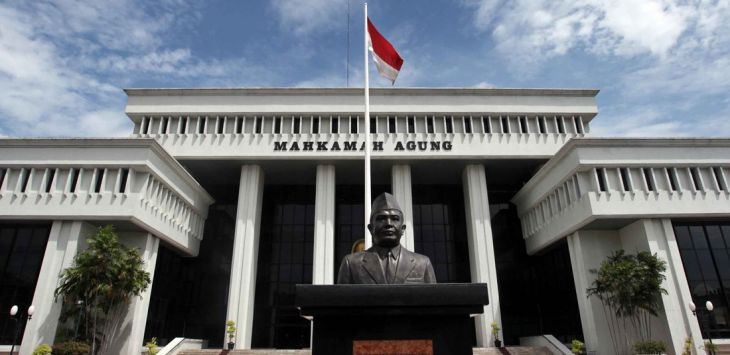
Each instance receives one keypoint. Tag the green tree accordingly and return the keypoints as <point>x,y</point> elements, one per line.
<point>105,277</point>
<point>629,288</point>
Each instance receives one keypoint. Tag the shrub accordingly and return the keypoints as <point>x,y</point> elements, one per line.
<point>577,347</point>
<point>151,346</point>
<point>649,347</point>
<point>43,349</point>
<point>71,348</point>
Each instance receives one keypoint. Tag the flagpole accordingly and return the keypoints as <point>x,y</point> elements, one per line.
<point>368,198</point>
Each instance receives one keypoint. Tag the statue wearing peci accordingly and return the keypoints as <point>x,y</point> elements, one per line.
<point>386,262</point>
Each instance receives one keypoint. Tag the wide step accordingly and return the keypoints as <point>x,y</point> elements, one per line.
<point>513,350</point>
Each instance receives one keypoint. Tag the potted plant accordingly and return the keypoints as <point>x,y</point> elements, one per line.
<point>649,347</point>
<point>495,334</point>
<point>577,347</point>
<point>231,332</point>
<point>151,346</point>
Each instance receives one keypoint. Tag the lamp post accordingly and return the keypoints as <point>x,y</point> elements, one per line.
<point>14,316</point>
<point>710,307</point>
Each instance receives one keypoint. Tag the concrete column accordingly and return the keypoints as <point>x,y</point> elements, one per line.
<point>401,185</point>
<point>245,254</point>
<point>65,240</point>
<point>481,248</point>
<point>587,250</point>
<point>677,322</point>
<point>130,336</point>
<point>324,227</point>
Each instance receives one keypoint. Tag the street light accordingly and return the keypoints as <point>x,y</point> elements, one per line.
<point>14,316</point>
<point>709,307</point>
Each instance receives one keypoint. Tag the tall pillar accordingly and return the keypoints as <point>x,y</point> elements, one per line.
<point>401,185</point>
<point>245,254</point>
<point>65,240</point>
<point>481,248</point>
<point>587,250</point>
<point>324,227</point>
<point>130,336</point>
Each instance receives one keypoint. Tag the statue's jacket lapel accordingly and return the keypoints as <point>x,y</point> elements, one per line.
<point>371,264</point>
<point>406,263</point>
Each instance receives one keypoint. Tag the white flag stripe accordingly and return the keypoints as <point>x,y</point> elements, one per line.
<point>385,69</point>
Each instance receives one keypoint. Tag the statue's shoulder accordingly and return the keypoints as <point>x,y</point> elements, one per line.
<point>355,257</point>
<point>416,256</point>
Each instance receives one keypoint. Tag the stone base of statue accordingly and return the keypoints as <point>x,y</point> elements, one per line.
<point>392,319</point>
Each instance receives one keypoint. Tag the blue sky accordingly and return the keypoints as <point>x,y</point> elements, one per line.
<point>663,66</point>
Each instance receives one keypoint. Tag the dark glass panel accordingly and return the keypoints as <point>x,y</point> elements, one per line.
<point>285,249</point>
<point>22,247</point>
<point>707,266</point>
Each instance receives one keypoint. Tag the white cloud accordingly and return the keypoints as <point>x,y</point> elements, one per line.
<point>306,16</point>
<point>63,63</point>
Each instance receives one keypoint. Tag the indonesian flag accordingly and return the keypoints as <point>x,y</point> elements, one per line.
<point>386,58</point>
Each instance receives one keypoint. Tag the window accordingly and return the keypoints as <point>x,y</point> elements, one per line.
<point>201,124</point>
<point>99,180</point>
<point>21,255</point>
<point>315,125</point>
<point>239,125</point>
<point>259,124</point>
<point>486,126</point>
<point>449,122</point>
<point>649,178</point>
<point>123,176</point>
<point>505,124</point>
<point>467,125</point>
<point>74,179</point>
<point>334,125</point>
<point>25,177</point>
<point>601,177</point>
<point>163,125</point>
<point>373,125</point>
<point>429,124</point>
<point>717,173</point>
<point>391,124</point>
<point>561,124</point>
<point>541,124</point>
<point>695,176</point>
<point>144,125</point>
<point>277,125</point>
<point>624,172</point>
<point>704,248</point>
<point>411,122</point>
<point>578,125</point>
<point>353,125</point>
<point>672,177</point>
<point>49,181</point>
<point>296,125</point>
<point>523,124</point>
<point>220,125</point>
<point>183,125</point>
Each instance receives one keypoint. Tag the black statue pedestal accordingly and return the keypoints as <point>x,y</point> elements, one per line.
<point>402,319</point>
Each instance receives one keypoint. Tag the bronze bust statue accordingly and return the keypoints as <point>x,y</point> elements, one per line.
<point>386,262</point>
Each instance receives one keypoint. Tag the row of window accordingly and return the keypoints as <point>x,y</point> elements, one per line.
<point>352,124</point>
<point>676,179</point>
<point>68,180</point>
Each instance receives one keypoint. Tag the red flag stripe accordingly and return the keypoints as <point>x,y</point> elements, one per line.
<point>383,49</point>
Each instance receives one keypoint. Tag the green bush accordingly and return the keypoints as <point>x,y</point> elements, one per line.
<point>43,349</point>
<point>71,348</point>
<point>649,347</point>
<point>577,347</point>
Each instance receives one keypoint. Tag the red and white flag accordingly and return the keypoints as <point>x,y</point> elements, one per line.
<point>386,58</point>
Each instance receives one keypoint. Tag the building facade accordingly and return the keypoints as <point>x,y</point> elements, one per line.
<point>233,196</point>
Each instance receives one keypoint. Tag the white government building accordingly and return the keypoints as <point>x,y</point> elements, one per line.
<point>233,196</point>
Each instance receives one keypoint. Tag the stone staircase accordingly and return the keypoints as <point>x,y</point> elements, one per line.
<point>512,350</point>
<point>723,349</point>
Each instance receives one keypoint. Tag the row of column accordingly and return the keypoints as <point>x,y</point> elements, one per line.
<point>248,220</point>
